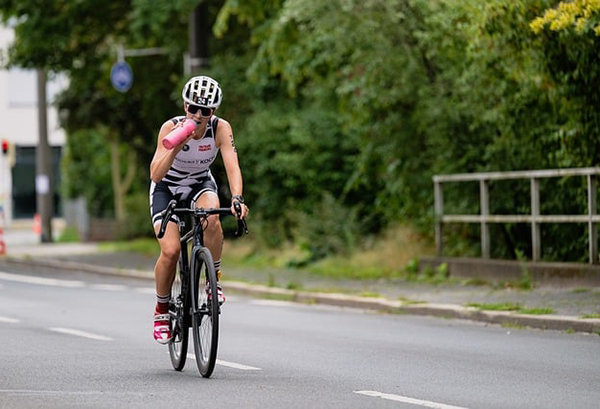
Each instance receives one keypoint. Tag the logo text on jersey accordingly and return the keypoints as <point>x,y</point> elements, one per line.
<point>203,148</point>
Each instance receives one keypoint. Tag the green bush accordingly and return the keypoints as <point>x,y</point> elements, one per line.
<point>330,229</point>
<point>85,170</point>
<point>138,221</point>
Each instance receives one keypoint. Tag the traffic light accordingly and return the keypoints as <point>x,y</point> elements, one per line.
<point>8,151</point>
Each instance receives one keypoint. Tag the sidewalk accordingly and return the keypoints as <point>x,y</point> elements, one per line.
<point>569,304</point>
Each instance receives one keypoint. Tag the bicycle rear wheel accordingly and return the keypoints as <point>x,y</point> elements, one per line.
<point>178,308</point>
<point>205,312</point>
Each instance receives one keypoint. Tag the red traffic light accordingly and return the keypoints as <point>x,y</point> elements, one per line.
<point>4,146</point>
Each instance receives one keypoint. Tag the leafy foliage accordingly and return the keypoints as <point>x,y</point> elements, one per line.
<point>349,104</point>
<point>81,38</point>
<point>85,170</point>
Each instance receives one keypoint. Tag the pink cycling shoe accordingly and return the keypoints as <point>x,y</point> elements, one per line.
<point>162,328</point>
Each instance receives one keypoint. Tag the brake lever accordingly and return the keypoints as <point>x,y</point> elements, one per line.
<point>242,226</point>
<point>165,219</point>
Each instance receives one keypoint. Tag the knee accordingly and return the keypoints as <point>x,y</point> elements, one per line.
<point>214,225</point>
<point>170,252</point>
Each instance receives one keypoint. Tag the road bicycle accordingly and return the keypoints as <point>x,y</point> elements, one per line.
<point>194,299</point>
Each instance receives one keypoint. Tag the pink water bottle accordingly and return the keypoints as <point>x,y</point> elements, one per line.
<point>177,135</point>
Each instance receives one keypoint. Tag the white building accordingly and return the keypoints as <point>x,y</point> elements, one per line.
<point>19,126</point>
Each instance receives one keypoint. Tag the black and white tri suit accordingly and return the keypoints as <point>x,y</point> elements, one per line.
<point>189,175</point>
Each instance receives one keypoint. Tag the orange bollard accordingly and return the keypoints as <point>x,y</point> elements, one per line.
<point>2,244</point>
<point>37,224</point>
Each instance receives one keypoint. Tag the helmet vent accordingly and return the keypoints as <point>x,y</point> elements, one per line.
<point>203,91</point>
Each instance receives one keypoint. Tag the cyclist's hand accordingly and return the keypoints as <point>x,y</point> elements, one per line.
<point>238,208</point>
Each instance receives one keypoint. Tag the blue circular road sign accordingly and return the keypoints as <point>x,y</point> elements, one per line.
<point>121,76</point>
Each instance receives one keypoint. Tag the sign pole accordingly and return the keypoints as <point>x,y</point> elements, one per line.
<point>43,178</point>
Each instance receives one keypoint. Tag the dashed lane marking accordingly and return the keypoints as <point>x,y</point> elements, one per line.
<point>68,283</point>
<point>404,399</point>
<point>27,392</point>
<point>233,365</point>
<point>273,303</point>
<point>146,290</point>
<point>109,287</point>
<point>78,333</point>
<point>41,280</point>
<point>9,320</point>
<point>237,366</point>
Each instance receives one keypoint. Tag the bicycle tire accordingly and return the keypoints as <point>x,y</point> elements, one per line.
<point>178,309</point>
<point>205,312</point>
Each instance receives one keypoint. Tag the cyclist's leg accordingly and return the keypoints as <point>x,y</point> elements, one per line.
<point>206,196</point>
<point>165,267</point>
<point>213,233</point>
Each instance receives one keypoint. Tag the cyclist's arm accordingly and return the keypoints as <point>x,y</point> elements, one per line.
<point>163,157</point>
<point>226,145</point>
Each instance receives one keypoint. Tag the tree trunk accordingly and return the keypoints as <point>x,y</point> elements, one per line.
<point>120,185</point>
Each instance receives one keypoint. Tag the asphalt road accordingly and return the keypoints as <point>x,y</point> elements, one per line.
<point>84,340</point>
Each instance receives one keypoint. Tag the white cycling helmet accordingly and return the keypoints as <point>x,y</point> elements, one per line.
<point>203,91</point>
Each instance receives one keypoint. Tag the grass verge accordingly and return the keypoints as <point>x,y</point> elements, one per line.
<point>146,246</point>
<point>386,256</point>
<point>512,307</point>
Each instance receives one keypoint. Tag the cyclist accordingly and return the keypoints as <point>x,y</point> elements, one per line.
<point>183,173</point>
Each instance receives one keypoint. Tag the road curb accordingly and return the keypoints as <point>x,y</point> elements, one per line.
<point>552,322</point>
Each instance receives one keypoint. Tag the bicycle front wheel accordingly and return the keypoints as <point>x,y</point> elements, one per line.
<point>178,309</point>
<point>205,311</point>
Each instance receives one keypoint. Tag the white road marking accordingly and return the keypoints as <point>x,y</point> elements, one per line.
<point>231,364</point>
<point>80,334</point>
<point>40,392</point>
<point>41,280</point>
<point>273,303</point>
<point>109,287</point>
<point>146,290</point>
<point>9,320</point>
<point>237,366</point>
<point>404,399</point>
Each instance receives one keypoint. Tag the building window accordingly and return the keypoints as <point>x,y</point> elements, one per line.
<point>23,182</point>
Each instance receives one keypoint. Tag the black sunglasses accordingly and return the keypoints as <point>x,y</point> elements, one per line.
<point>193,109</point>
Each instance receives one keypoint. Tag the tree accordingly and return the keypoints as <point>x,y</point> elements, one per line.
<point>569,40</point>
<point>367,63</point>
<point>80,39</point>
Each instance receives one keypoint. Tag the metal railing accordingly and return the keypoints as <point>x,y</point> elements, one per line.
<point>535,218</point>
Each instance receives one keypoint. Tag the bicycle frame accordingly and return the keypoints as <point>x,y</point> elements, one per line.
<point>188,309</point>
<point>196,235</point>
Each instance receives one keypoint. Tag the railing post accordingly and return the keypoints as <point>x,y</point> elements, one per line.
<point>592,228</point>
<point>536,238</point>
<point>438,197</point>
<point>485,211</point>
